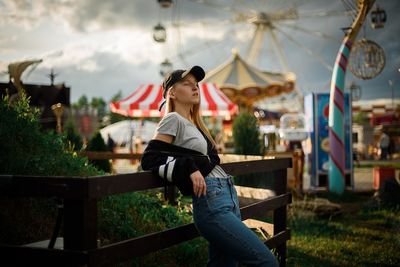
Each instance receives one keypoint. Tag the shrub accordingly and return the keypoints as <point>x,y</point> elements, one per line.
<point>247,142</point>
<point>26,150</point>
<point>72,138</point>
<point>246,134</point>
<point>135,214</point>
<point>97,144</point>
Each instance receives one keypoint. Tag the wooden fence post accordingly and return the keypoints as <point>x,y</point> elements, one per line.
<point>298,162</point>
<point>80,224</point>
<point>171,195</point>
<point>280,186</point>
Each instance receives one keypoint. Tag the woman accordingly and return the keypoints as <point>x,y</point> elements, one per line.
<point>184,153</point>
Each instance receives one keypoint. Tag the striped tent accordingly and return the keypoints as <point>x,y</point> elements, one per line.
<point>145,100</point>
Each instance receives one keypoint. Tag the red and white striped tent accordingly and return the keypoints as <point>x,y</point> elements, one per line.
<point>145,100</point>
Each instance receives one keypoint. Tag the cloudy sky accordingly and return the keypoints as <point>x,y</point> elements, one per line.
<point>99,47</point>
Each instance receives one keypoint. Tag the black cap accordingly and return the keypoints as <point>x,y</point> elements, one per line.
<point>177,75</point>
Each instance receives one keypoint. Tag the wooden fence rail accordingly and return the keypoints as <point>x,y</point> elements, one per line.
<point>81,194</point>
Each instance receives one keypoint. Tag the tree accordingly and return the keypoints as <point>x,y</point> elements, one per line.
<point>72,138</point>
<point>360,118</point>
<point>246,134</point>
<point>114,117</point>
<point>117,96</point>
<point>25,149</point>
<point>82,103</point>
<point>246,140</point>
<point>99,104</point>
<point>96,143</point>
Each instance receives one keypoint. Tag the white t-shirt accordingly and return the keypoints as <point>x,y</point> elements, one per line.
<point>186,135</point>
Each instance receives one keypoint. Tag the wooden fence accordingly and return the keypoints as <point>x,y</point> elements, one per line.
<point>81,194</point>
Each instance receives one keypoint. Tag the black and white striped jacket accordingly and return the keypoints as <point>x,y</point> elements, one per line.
<point>174,164</point>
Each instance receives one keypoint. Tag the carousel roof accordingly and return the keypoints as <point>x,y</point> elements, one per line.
<point>242,82</point>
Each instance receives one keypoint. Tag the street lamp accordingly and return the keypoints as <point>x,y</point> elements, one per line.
<point>378,17</point>
<point>165,3</point>
<point>165,67</point>
<point>159,33</point>
<point>391,87</point>
<point>355,91</point>
<point>58,110</point>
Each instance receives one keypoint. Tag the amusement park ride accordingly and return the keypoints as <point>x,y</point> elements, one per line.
<point>274,25</point>
<point>272,19</point>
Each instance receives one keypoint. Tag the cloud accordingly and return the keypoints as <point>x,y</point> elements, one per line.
<point>96,15</point>
<point>108,44</point>
<point>89,66</point>
<point>133,47</point>
<point>109,74</point>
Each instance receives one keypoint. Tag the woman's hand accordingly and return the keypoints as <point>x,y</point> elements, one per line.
<point>199,184</point>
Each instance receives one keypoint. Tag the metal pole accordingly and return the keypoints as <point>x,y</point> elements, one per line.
<point>391,86</point>
<point>58,110</point>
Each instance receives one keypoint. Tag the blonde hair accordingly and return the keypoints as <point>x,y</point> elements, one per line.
<point>194,115</point>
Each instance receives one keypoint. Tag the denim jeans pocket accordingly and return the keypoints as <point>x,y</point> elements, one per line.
<point>213,191</point>
<point>216,198</point>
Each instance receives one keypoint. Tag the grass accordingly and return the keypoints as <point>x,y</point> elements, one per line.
<point>360,236</point>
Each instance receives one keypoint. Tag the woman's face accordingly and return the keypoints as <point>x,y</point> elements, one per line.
<point>186,91</point>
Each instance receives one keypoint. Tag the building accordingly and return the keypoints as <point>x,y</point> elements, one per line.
<point>42,97</point>
<point>371,118</point>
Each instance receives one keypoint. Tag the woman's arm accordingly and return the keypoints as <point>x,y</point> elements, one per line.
<point>199,185</point>
<point>164,137</point>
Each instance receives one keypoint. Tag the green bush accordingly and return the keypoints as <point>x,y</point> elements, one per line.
<point>135,214</point>
<point>247,142</point>
<point>72,138</point>
<point>246,134</point>
<point>27,150</point>
<point>361,118</point>
<point>120,212</point>
<point>96,143</point>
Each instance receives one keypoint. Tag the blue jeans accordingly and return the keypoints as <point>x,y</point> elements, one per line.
<point>217,218</point>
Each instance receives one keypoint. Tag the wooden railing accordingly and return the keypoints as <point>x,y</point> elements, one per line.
<point>297,162</point>
<point>95,155</point>
<point>81,194</point>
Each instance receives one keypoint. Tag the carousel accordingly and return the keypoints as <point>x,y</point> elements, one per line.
<point>244,84</point>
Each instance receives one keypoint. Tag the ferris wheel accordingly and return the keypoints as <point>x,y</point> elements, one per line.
<point>266,32</point>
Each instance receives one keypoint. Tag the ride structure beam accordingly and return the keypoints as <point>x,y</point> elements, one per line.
<point>256,45</point>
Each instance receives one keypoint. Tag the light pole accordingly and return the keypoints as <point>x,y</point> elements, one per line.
<point>355,91</point>
<point>58,110</point>
<point>391,87</point>
<point>165,67</point>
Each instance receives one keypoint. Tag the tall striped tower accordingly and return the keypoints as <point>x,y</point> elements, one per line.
<point>336,102</point>
<point>336,124</point>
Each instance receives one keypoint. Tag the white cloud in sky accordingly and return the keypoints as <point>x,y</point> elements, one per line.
<point>134,47</point>
<point>108,44</point>
<point>89,66</point>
